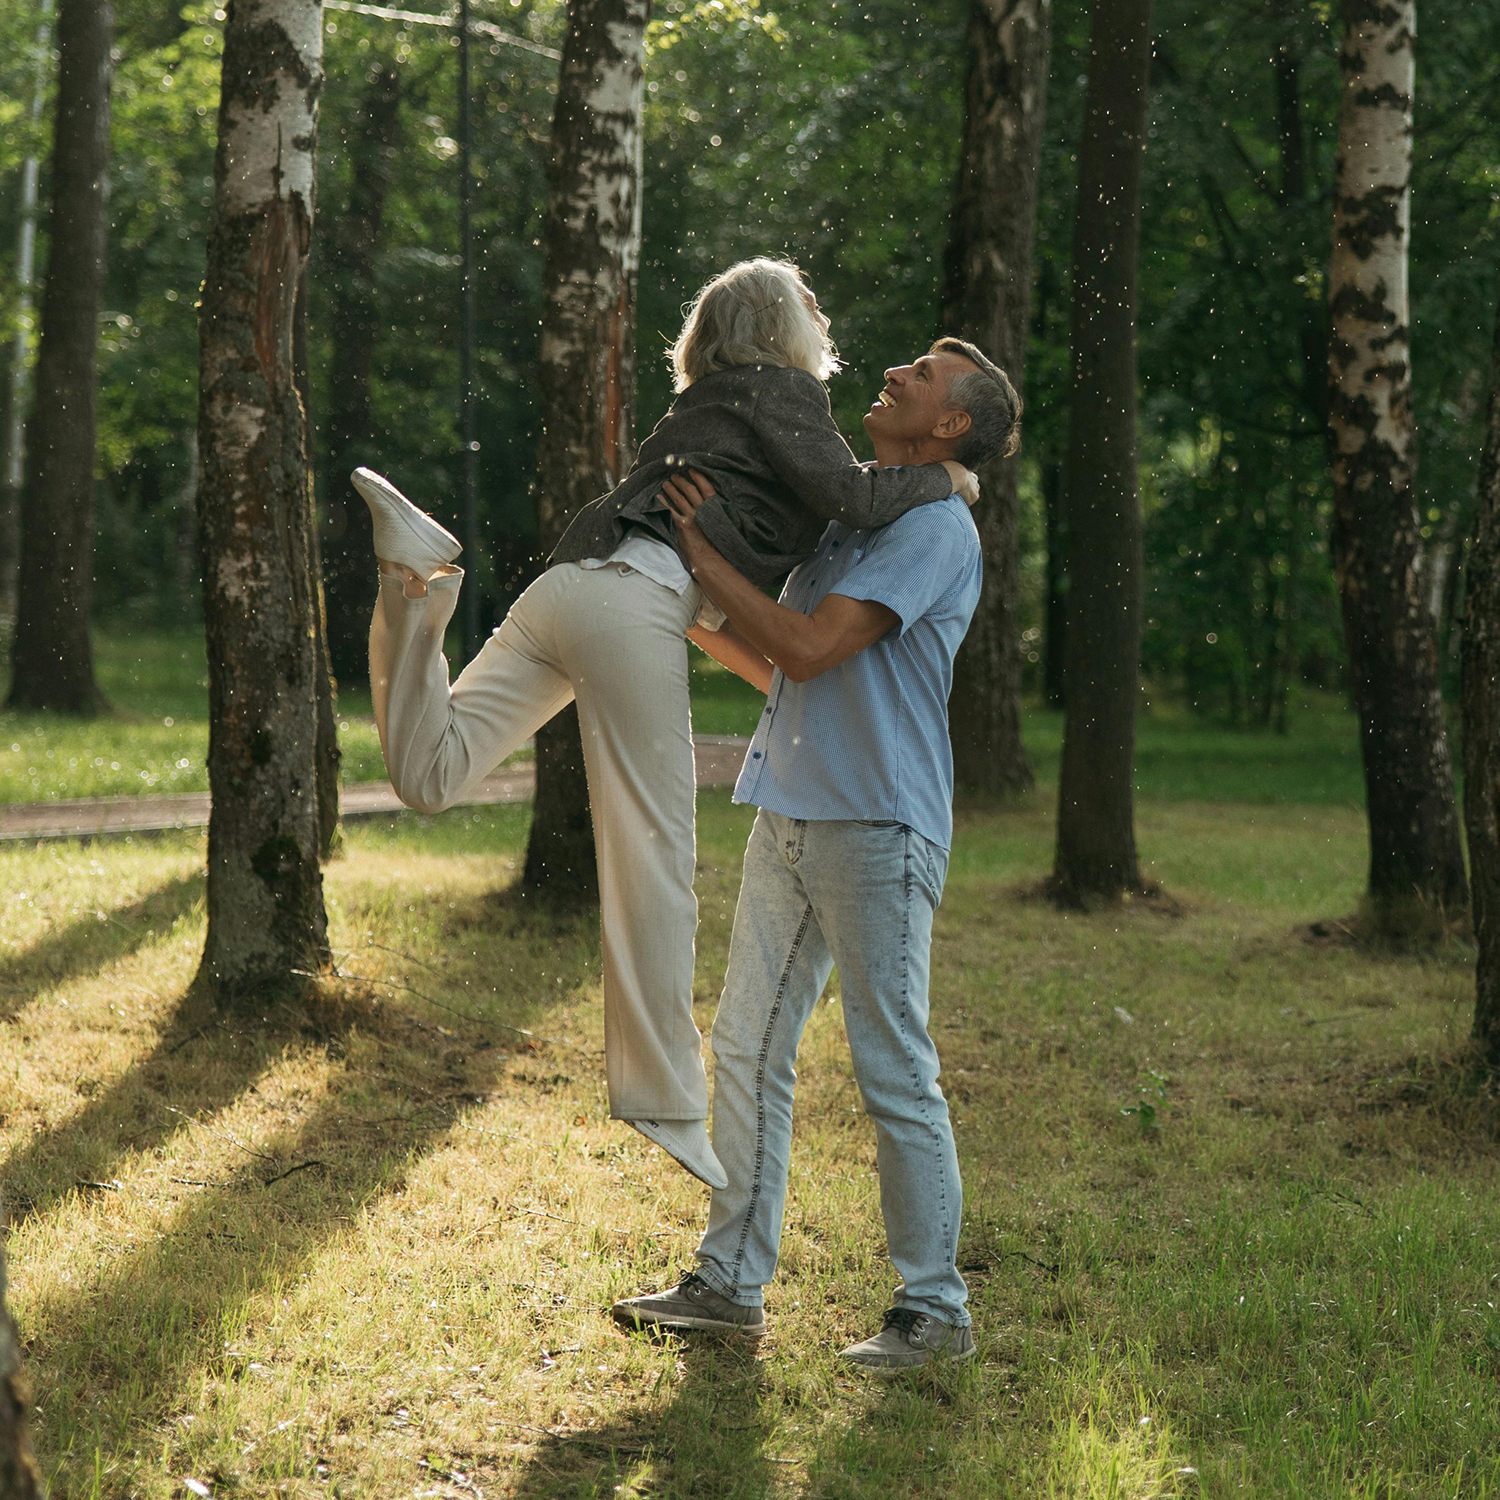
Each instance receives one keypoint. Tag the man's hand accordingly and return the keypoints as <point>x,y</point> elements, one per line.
<point>803,646</point>
<point>684,494</point>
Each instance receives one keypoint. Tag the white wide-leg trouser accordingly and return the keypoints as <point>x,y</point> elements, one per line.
<point>614,640</point>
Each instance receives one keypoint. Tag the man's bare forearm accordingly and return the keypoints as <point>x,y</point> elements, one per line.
<point>803,646</point>
<point>785,637</point>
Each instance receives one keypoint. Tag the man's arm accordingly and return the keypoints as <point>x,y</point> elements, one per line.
<point>803,646</point>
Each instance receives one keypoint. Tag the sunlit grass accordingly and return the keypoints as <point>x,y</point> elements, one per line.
<point>368,1250</point>
<point>157,740</point>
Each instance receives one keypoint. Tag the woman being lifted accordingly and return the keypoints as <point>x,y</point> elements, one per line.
<point>604,626</point>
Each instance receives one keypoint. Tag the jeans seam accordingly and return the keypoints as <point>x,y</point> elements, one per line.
<point>906,1034</point>
<point>760,1094</point>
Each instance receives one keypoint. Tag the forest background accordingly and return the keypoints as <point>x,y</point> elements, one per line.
<point>831,134</point>
<point>1231,1209</point>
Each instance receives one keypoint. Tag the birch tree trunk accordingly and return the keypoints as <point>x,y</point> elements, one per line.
<point>987,299</point>
<point>1481,707</point>
<point>350,246</point>
<point>327,755</point>
<point>1416,861</point>
<point>265,890</point>
<point>20,1479</point>
<point>591,248</point>
<point>52,655</point>
<point>1096,853</point>
<point>16,384</point>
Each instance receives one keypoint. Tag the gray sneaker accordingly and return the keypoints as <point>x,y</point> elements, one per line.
<point>691,1304</point>
<point>908,1340</point>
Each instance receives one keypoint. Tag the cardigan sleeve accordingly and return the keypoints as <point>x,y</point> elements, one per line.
<point>796,430</point>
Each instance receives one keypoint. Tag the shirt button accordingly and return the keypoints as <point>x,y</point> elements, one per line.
<point>755,755</point>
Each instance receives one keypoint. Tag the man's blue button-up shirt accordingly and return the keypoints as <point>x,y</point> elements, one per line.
<point>868,739</point>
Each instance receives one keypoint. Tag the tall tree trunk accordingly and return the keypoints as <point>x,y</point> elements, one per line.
<point>52,656</point>
<point>590,248</point>
<point>351,247</point>
<point>987,299</point>
<point>1481,707</point>
<point>327,755</point>
<point>1415,857</point>
<point>20,1479</point>
<point>265,889</point>
<point>1055,625</point>
<point>1096,796</point>
<point>13,395</point>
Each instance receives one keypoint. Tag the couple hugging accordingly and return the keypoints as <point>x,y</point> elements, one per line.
<point>746,479</point>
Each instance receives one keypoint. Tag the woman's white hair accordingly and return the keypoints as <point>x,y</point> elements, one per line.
<point>752,314</point>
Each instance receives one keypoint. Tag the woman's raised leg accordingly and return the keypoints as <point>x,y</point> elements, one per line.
<point>440,741</point>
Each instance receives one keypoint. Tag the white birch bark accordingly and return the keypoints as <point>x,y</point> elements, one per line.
<point>591,249</point>
<point>1415,855</point>
<point>266,919</point>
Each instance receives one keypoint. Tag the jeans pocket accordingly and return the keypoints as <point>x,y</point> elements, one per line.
<point>879,823</point>
<point>932,868</point>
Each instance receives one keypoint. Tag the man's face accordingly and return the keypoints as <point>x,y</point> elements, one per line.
<point>911,405</point>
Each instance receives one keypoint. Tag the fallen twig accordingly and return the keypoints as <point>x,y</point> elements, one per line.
<point>1041,1265</point>
<point>223,1135</point>
<point>301,1166</point>
<point>431,969</point>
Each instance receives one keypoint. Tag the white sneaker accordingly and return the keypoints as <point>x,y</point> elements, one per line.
<point>686,1142</point>
<point>404,534</point>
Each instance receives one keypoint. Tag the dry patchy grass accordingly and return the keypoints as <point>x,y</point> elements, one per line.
<point>366,1248</point>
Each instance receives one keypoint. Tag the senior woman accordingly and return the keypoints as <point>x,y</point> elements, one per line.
<point>605,626</point>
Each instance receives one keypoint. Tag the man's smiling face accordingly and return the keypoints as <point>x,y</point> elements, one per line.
<point>910,408</point>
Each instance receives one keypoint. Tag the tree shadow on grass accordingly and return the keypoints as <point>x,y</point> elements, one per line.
<point>206,1058</point>
<point>117,1352</point>
<point>92,942</point>
<point>202,1063</point>
<point>911,1435</point>
<point>707,1443</point>
<point>1459,1094</point>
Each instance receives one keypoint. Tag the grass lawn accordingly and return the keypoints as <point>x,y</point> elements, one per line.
<point>157,740</point>
<point>369,1252</point>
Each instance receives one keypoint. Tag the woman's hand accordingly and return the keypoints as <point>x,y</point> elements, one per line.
<point>965,482</point>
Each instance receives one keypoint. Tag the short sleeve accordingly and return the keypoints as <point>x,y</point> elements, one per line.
<point>910,565</point>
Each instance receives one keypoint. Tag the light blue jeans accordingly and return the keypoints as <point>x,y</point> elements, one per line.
<point>861,895</point>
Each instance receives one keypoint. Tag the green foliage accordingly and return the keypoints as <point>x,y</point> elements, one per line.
<point>830,134</point>
<point>1150,1108</point>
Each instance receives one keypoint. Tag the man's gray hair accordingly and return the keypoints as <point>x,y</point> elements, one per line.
<point>991,401</point>
<point>751,314</point>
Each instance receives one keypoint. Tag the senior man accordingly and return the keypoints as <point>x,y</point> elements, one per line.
<point>852,772</point>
